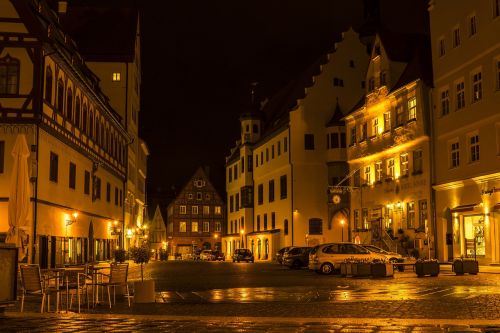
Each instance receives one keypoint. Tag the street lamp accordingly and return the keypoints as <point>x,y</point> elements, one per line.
<point>242,242</point>
<point>342,223</point>
<point>215,240</point>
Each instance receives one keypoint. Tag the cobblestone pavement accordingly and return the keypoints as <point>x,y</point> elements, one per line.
<point>96,323</point>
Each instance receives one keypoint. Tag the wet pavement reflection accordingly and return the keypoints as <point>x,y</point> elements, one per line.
<point>340,293</point>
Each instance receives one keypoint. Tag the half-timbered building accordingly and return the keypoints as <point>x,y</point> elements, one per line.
<point>76,141</point>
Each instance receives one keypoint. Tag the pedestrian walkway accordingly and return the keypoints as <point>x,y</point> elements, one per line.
<point>116,323</point>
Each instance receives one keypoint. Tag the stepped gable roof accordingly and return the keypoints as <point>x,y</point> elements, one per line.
<point>337,117</point>
<point>276,111</point>
<point>102,32</point>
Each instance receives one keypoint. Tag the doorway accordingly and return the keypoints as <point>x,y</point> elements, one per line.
<point>474,236</point>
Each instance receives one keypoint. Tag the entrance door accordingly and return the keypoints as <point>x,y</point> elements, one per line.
<point>44,252</point>
<point>474,236</point>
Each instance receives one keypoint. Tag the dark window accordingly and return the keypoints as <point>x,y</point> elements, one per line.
<point>357,179</point>
<point>2,155</point>
<point>271,190</point>
<point>60,96</point>
<point>242,164</point>
<point>72,175</point>
<point>54,160</point>
<point>97,188</point>
<point>285,226</point>
<point>9,75</point>
<point>86,183</point>
<point>108,192</point>
<point>230,174</point>
<point>237,202</point>
<point>255,128</point>
<point>265,221</point>
<point>84,119</point>
<point>231,204</point>
<point>48,85</point>
<point>342,140</point>
<point>334,140</point>
<point>258,222</point>
<point>273,220</point>
<point>309,141</point>
<point>267,154</point>
<point>351,63</point>
<point>77,112</point>
<point>260,194</point>
<point>315,227</point>
<point>250,164</point>
<point>283,189</point>
<point>116,196</point>
<point>121,198</point>
<point>247,197</point>
<point>272,151</point>
<point>69,105</point>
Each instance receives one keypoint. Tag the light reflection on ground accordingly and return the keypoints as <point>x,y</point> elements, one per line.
<point>392,292</point>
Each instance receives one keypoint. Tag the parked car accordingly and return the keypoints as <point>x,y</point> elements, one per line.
<point>219,256</point>
<point>389,256</point>
<point>243,255</point>
<point>326,258</point>
<point>206,255</point>
<point>280,253</point>
<point>297,257</point>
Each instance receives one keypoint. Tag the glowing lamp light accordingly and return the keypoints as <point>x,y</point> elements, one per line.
<point>242,231</point>
<point>398,205</point>
<point>342,222</point>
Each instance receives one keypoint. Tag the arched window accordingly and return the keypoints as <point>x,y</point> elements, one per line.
<point>9,75</point>
<point>48,85</point>
<point>286,227</point>
<point>60,96</point>
<point>77,112</point>
<point>69,105</point>
<point>97,129</point>
<point>91,124</point>
<point>84,120</point>
<point>101,142</point>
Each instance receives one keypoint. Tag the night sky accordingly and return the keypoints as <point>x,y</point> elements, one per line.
<point>199,58</point>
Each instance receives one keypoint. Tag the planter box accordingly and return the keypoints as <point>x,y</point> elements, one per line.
<point>144,291</point>
<point>382,269</point>
<point>427,268</point>
<point>460,267</point>
<point>361,269</point>
<point>346,269</point>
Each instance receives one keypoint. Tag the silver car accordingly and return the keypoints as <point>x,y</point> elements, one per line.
<point>326,258</point>
<point>389,256</point>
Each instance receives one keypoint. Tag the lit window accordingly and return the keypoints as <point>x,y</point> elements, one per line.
<point>412,109</point>
<point>217,210</point>
<point>460,95</point>
<point>399,115</point>
<point>182,226</point>
<point>194,226</point>
<point>387,121</point>
<point>9,75</point>
<point>445,102</point>
<point>474,148</point>
<point>477,90</point>
<point>454,155</point>
<point>390,169</point>
<point>364,130</point>
<point>353,135</point>
<point>378,171</point>
<point>116,77</point>
<point>217,226</point>
<point>375,128</point>
<point>403,161</point>
<point>456,37</point>
<point>206,210</point>
<point>367,175</point>
<point>410,214</point>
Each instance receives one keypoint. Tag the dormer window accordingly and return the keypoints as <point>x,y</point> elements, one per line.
<point>116,77</point>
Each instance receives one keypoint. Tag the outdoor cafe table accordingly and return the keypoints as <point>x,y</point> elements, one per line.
<point>94,270</point>
<point>56,275</point>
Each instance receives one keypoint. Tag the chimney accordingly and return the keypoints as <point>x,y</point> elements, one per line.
<point>62,7</point>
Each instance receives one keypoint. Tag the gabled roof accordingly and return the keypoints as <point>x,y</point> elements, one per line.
<point>102,32</point>
<point>199,173</point>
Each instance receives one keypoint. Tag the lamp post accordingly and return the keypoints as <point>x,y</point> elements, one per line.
<point>342,223</point>
<point>242,232</point>
<point>215,241</point>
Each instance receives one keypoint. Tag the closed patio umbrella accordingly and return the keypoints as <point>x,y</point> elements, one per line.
<point>19,199</point>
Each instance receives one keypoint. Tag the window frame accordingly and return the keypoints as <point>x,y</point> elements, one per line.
<point>12,72</point>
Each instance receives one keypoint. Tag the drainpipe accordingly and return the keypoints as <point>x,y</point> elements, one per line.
<point>433,176</point>
<point>291,174</point>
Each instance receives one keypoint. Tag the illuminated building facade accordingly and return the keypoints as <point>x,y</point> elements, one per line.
<point>77,143</point>
<point>195,218</point>
<point>278,173</point>
<point>389,149</point>
<point>109,40</point>
<point>466,64</point>
<point>157,232</point>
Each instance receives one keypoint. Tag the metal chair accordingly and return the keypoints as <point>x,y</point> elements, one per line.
<point>117,278</point>
<point>33,283</point>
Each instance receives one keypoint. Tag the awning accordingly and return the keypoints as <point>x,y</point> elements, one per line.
<point>464,208</point>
